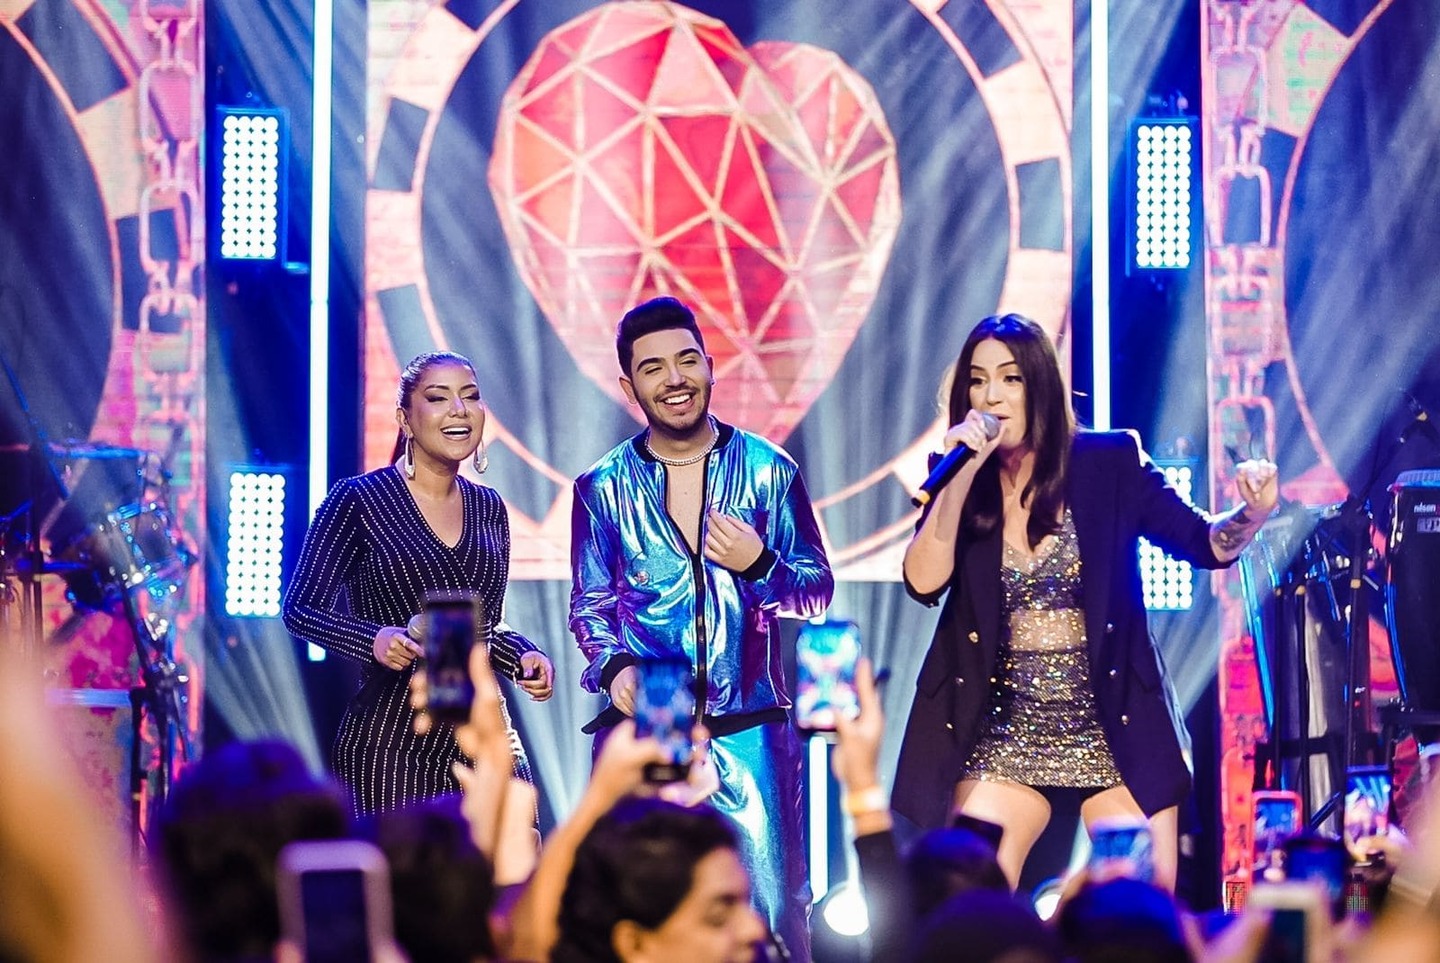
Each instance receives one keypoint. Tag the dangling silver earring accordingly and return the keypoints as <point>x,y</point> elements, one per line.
<point>481,459</point>
<point>409,461</point>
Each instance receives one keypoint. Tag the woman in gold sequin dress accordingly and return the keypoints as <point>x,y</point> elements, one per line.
<point>1042,672</point>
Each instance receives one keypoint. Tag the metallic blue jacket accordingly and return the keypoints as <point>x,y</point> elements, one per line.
<point>638,591</point>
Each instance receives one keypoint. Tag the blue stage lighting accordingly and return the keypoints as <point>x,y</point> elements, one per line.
<point>1169,583</point>
<point>254,144</point>
<point>1163,160</point>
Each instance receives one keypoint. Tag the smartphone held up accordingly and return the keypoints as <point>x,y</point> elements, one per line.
<point>1367,808</point>
<point>1121,846</point>
<point>665,711</point>
<point>335,901</point>
<point>826,656</point>
<point>1274,817</point>
<point>454,623</point>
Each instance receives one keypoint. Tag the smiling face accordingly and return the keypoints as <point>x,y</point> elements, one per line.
<point>715,923</point>
<point>670,380</point>
<point>997,387</point>
<point>445,416</point>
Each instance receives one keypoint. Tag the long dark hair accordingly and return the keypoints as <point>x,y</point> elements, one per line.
<point>410,380</point>
<point>1049,426</point>
<point>638,864</point>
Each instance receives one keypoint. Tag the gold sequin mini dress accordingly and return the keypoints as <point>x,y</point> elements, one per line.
<point>1040,726</point>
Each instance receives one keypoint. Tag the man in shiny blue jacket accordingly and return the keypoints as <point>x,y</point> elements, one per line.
<point>689,540</point>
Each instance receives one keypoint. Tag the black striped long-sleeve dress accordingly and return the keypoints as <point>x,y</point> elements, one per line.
<point>370,540</point>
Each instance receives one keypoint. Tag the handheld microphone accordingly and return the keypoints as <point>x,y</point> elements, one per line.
<point>946,468</point>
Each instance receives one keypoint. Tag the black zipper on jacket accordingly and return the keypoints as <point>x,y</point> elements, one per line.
<point>702,642</point>
<point>697,574</point>
<point>697,570</point>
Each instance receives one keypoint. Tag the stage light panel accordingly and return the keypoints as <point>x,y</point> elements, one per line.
<point>255,544</point>
<point>254,144</point>
<point>1169,583</point>
<point>1163,155</point>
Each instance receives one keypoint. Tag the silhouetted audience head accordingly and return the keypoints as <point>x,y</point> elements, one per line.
<point>1123,921</point>
<point>657,882</point>
<point>946,862</point>
<point>219,834</point>
<point>984,926</point>
<point>441,885</point>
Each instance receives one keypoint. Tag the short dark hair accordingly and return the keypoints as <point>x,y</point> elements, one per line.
<point>1123,919</point>
<point>983,925</point>
<point>946,862</point>
<point>441,885</point>
<point>1050,425</point>
<point>219,835</point>
<point>658,314</point>
<point>638,864</point>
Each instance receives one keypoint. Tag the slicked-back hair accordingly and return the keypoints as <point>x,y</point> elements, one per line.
<point>1050,426</point>
<point>658,314</point>
<point>410,380</point>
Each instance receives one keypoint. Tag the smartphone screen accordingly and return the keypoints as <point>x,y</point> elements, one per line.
<point>665,710</point>
<point>1367,807</point>
<point>1121,847</point>
<point>334,899</point>
<point>1275,818</point>
<point>333,904</point>
<point>452,627</point>
<point>1299,923</point>
<point>1318,859</point>
<point>825,658</point>
<point>1286,942</point>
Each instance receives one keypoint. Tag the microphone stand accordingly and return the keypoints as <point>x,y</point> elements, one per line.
<point>163,691</point>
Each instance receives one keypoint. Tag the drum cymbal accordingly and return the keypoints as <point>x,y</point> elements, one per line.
<point>79,448</point>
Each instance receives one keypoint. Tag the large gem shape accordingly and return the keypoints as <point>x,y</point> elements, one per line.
<point>642,150</point>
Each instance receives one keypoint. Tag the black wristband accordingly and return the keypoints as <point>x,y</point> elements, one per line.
<point>614,666</point>
<point>760,567</point>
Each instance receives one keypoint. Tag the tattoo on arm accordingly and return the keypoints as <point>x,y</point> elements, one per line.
<point>1229,534</point>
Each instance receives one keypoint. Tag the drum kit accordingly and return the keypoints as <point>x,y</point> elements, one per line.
<point>116,546</point>
<point>1309,579</point>
<point>108,555</point>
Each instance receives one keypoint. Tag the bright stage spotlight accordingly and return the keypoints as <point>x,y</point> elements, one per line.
<point>1161,218</point>
<point>840,924</point>
<point>255,543</point>
<point>252,678</point>
<point>1169,584</point>
<point>844,910</point>
<point>254,144</point>
<point>1046,897</point>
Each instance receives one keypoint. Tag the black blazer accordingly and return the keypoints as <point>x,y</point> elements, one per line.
<point>1115,495</point>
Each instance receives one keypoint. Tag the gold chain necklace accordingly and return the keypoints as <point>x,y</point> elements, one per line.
<point>682,462</point>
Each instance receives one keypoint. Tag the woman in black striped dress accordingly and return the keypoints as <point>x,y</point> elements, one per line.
<point>386,539</point>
